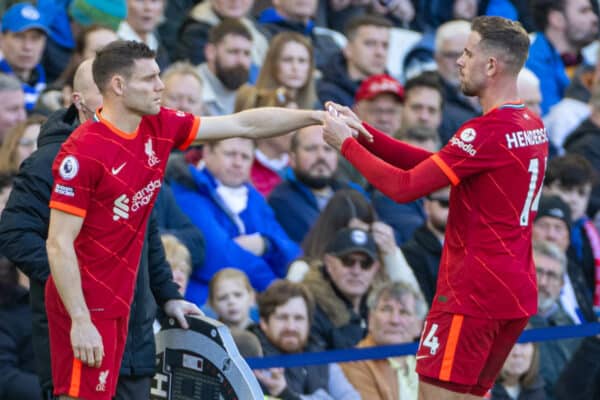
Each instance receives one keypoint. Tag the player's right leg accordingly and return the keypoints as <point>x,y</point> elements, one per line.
<point>72,379</point>
<point>454,352</point>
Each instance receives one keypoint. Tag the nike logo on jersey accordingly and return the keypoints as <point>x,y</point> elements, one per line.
<point>115,171</point>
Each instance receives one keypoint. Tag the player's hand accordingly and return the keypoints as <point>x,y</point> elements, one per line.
<point>273,379</point>
<point>349,118</point>
<point>178,309</point>
<point>86,342</point>
<point>383,234</point>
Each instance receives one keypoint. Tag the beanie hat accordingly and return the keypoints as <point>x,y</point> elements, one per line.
<point>554,207</point>
<point>108,13</point>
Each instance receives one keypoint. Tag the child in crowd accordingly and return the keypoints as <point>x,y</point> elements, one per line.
<point>179,258</point>
<point>231,297</point>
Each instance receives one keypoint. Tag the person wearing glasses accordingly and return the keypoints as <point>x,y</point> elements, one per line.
<point>347,271</point>
<point>550,266</point>
<point>424,250</point>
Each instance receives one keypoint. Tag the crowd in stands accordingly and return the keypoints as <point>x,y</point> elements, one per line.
<point>281,239</point>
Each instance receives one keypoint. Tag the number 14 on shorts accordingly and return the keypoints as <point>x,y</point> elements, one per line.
<point>429,339</point>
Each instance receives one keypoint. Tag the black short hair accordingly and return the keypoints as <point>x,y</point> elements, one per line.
<point>570,171</point>
<point>364,20</point>
<point>229,26</point>
<point>118,57</point>
<point>429,79</point>
<point>507,39</point>
<point>540,10</point>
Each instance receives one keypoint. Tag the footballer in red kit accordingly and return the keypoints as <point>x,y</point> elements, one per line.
<point>486,287</point>
<point>107,176</point>
<point>111,179</point>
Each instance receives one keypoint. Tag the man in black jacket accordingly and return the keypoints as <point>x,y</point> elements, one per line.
<point>424,250</point>
<point>23,231</point>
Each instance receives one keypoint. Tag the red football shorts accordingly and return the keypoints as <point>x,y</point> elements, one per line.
<point>73,378</point>
<point>465,354</point>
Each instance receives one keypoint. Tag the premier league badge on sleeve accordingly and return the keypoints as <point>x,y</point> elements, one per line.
<point>68,168</point>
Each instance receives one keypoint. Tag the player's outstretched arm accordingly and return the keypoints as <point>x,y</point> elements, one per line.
<point>85,339</point>
<point>262,123</point>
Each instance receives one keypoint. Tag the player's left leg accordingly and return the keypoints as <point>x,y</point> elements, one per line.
<point>509,333</point>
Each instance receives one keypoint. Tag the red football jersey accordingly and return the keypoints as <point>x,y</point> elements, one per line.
<point>496,163</point>
<point>111,179</point>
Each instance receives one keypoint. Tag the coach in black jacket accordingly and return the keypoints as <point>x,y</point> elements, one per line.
<point>23,233</point>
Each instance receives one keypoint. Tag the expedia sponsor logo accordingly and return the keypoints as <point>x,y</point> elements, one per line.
<point>466,147</point>
<point>64,190</point>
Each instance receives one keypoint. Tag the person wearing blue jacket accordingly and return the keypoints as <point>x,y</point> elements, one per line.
<point>239,227</point>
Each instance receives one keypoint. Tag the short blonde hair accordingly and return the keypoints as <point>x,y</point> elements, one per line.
<point>178,256</point>
<point>224,274</point>
<point>181,68</point>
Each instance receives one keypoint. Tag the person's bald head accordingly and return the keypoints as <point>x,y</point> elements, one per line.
<point>86,96</point>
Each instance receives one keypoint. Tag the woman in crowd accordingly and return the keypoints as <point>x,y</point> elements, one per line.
<point>519,378</point>
<point>290,64</point>
<point>349,208</point>
<point>20,142</point>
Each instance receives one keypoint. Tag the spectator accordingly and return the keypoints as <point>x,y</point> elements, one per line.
<point>20,142</point>
<point>231,297</point>
<point>194,34</point>
<point>424,250</point>
<point>574,108</point>
<point>6,181</point>
<point>585,141</point>
<point>12,104</point>
<point>143,17</point>
<point>519,377</point>
<point>22,42</point>
<point>296,16</point>
<point>286,310</point>
<point>564,28</point>
<point>378,102</point>
<point>238,225</point>
<point>550,264</point>
<point>183,88</point>
<point>365,54</point>
<point>340,285</point>
<point>271,156</point>
<point>87,42</point>
<point>433,13</point>
<point>350,209</point>
<point>407,217</point>
<point>227,65</point>
<point>396,314</point>
<point>528,86</point>
<point>299,199</point>
<point>290,64</point>
<point>570,177</point>
<point>450,40</point>
<point>17,362</point>
<point>423,102</point>
<point>179,259</point>
<point>552,224</point>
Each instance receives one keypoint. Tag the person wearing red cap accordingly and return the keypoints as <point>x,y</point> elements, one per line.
<point>378,102</point>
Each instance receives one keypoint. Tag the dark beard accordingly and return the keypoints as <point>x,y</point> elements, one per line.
<point>234,77</point>
<point>313,182</point>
